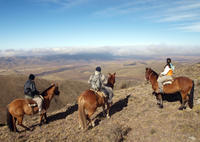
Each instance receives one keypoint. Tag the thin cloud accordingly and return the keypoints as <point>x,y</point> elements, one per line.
<point>179,17</point>
<point>127,7</point>
<point>170,12</point>
<point>63,3</point>
<point>195,27</point>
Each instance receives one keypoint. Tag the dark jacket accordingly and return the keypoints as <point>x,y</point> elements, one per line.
<point>30,88</point>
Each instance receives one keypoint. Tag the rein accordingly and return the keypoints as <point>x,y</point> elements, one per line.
<point>109,85</point>
<point>45,91</point>
<point>150,75</point>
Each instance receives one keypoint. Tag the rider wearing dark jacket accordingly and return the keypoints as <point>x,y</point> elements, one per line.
<point>29,88</point>
<point>31,92</point>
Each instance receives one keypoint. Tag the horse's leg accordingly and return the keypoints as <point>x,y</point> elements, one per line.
<point>19,120</point>
<point>41,118</point>
<point>14,124</point>
<point>108,110</point>
<point>104,111</point>
<point>159,100</point>
<point>184,100</point>
<point>45,117</point>
<point>91,121</point>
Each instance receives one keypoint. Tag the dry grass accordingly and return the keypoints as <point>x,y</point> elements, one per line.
<point>134,117</point>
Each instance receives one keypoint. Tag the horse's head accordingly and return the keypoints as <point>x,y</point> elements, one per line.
<point>52,90</point>
<point>56,89</point>
<point>150,74</point>
<point>111,79</point>
<point>147,73</point>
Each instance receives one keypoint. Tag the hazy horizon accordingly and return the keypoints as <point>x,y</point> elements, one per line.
<point>150,50</point>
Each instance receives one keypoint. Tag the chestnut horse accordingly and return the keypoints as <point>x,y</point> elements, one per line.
<point>19,107</point>
<point>89,100</point>
<point>183,85</point>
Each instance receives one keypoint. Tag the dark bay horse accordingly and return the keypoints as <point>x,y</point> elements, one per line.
<point>19,107</point>
<point>183,85</point>
<point>89,101</point>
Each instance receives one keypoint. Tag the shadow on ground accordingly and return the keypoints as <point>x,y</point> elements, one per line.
<point>62,115</point>
<point>116,107</point>
<point>172,97</point>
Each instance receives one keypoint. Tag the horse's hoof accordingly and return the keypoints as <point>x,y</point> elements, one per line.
<point>108,116</point>
<point>46,122</point>
<point>158,103</point>
<point>17,131</point>
<point>160,106</point>
<point>80,127</point>
<point>28,129</point>
<point>154,93</point>
<point>93,124</point>
<point>180,108</point>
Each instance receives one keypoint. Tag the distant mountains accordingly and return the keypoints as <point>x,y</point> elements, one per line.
<point>64,58</point>
<point>60,58</point>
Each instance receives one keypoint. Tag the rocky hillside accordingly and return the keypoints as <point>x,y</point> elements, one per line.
<point>134,117</point>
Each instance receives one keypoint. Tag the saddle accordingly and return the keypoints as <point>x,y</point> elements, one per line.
<point>100,93</point>
<point>31,104</point>
<point>167,82</point>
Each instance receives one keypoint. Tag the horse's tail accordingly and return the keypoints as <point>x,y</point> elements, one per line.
<point>191,96</point>
<point>10,121</point>
<point>81,112</point>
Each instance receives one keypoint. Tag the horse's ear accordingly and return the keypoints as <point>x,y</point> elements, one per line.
<point>109,74</point>
<point>114,74</point>
<point>147,68</point>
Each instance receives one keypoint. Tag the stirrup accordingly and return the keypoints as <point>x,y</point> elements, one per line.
<point>42,111</point>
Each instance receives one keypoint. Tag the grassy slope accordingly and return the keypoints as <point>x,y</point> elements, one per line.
<point>135,116</point>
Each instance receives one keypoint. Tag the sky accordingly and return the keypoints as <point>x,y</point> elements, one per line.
<point>77,25</point>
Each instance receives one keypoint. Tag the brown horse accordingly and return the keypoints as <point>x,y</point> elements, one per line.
<point>183,85</point>
<point>19,107</point>
<point>89,101</point>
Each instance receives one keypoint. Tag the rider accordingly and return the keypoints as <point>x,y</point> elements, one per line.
<point>165,75</point>
<point>31,92</point>
<point>98,83</point>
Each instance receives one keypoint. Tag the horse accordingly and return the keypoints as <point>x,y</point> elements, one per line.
<point>183,85</point>
<point>89,100</point>
<point>19,107</point>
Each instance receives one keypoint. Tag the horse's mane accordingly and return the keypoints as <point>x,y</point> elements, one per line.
<point>154,73</point>
<point>45,91</point>
<point>109,84</point>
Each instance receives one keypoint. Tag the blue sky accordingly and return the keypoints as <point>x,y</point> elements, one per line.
<point>43,24</point>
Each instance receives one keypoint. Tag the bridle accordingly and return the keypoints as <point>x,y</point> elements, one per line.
<point>149,76</point>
